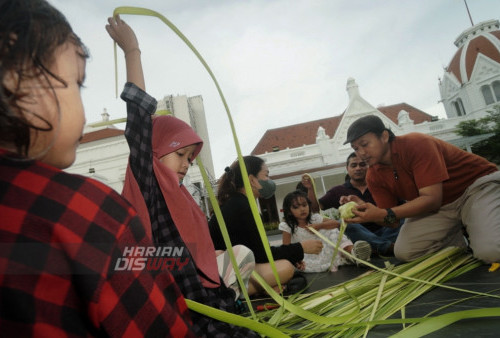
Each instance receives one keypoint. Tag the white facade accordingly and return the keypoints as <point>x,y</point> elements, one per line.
<point>468,96</point>
<point>330,153</point>
<point>105,156</point>
<point>104,160</point>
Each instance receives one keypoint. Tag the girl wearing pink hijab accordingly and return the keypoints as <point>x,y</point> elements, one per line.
<point>161,150</point>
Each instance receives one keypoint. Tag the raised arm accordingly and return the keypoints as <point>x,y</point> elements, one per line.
<point>306,182</point>
<point>125,37</point>
<point>140,107</point>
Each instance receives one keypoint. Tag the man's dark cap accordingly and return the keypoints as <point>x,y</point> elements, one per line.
<point>364,125</point>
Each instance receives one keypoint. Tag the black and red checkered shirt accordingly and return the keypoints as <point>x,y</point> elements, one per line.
<point>60,237</point>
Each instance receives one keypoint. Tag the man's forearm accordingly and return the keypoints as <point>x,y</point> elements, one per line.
<point>315,206</point>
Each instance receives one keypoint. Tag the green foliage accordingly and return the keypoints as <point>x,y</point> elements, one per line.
<point>271,226</point>
<point>490,148</point>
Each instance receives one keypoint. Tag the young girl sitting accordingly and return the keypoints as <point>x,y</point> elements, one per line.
<point>298,218</point>
<point>161,151</point>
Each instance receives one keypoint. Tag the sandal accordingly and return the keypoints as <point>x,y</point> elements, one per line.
<point>297,284</point>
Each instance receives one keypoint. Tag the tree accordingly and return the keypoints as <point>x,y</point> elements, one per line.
<point>489,148</point>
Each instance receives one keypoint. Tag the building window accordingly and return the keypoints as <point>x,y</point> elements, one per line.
<point>459,107</point>
<point>496,90</point>
<point>487,94</point>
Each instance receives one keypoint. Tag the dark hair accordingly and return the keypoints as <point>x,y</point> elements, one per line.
<point>351,155</point>
<point>301,187</point>
<point>232,180</point>
<point>390,132</point>
<point>367,124</point>
<point>30,32</point>
<point>288,202</point>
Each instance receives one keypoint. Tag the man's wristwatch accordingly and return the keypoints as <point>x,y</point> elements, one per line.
<point>390,218</point>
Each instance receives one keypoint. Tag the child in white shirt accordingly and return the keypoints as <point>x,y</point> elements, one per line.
<point>298,218</point>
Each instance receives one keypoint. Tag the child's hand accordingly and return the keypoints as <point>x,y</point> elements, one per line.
<point>300,265</point>
<point>328,224</point>
<point>312,246</point>
<point>122,34</point>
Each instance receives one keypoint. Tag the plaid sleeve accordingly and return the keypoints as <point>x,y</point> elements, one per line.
<point>61,236</point>
<point>140,107</point>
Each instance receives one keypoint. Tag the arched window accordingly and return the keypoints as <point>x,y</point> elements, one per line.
<point>459,107</point>
<point>496,90</point>
<point>457,110</point>
<point>487,94</point>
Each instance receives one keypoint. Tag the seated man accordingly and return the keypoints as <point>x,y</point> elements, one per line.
<point>380,238</point>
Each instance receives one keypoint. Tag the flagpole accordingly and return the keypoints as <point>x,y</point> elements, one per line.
<point>470,17</point>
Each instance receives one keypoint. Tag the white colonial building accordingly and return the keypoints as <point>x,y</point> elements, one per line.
<point>469,88</point>
<point>471,82</point>
<point>103,151</point>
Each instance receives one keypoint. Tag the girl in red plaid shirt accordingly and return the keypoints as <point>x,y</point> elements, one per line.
<point>61,234</point>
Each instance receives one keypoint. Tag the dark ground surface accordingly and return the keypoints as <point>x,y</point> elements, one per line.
<point>478,279</point>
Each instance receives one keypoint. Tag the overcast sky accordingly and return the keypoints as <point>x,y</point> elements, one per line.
<point>278,62</point>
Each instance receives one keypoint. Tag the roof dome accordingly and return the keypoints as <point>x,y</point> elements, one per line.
<point>483,38</point>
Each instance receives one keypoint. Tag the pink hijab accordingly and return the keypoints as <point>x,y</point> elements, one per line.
<point>169,135</point>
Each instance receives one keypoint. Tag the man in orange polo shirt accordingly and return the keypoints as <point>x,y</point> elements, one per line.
<point>445,189</point>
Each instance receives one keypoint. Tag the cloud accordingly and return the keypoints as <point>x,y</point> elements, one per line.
<point>277,62</point>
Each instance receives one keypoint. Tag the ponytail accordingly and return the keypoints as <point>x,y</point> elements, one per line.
<point>232,180</point>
